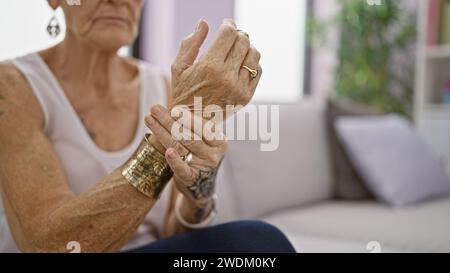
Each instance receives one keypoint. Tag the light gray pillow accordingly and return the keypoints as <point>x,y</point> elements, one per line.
<point>392,159</point>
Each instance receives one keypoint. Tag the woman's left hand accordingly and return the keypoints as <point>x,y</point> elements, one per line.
<point>195,179</point>
<point>221,76</point>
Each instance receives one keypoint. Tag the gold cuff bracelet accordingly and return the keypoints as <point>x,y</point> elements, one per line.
<point>147,170</point>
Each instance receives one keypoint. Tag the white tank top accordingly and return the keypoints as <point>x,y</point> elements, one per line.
<point>83,161</point>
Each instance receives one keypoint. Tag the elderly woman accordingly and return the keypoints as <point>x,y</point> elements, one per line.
<point>76,163</point>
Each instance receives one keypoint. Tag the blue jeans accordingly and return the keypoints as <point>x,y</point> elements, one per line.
<point>236,237</point>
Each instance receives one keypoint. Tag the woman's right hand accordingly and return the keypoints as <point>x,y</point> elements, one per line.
<point>218,77</point>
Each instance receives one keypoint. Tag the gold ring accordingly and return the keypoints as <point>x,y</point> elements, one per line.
<point>253,73</point>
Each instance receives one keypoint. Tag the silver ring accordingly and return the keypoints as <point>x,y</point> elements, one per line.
<point>188,158</point>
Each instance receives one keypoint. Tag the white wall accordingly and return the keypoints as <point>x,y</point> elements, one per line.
<point>277,29</point>
<point>169,21</point>
<point>23,27</point>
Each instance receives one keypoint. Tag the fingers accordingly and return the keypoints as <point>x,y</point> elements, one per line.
<point>181,169</point>
<point>245,79</point>
<point>190,47</point>
<point>238,53</point>
<point>224,41</point>
<point>251,60</point>
<point>209,132</point>
<point>188,120</point>
<point>254,82</point>
<point>164,137</point>
<point>164,128</point>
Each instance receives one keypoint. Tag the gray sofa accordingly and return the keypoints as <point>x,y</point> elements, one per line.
<point>293,189</point>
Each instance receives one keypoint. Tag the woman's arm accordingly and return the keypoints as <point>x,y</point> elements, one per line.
<point>219,80</point>
<point>43,213</point>
<point>195,180</point>
<point>190,211</point>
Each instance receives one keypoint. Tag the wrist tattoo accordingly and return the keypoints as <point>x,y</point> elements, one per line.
<point>205,184</point>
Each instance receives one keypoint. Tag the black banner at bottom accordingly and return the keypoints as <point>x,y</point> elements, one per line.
<point>150,263</point>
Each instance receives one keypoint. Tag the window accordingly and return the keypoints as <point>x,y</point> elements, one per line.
<point>277,29</point>
<point>23,28</point>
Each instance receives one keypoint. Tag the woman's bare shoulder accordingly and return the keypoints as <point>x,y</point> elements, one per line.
<point>12,82</point>
<point>9,73</point>
<point>16,93</point>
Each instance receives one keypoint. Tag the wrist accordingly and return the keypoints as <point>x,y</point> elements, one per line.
<point>196,211</point>
<point>195,203</point>
<point>207,214</point>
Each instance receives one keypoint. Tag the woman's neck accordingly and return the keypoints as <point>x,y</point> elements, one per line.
<point>77,63</point>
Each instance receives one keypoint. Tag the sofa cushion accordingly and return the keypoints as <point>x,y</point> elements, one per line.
<point>349,186</point>
<point>394,161</point>
<point>421,228</point>
<point>297,173</point>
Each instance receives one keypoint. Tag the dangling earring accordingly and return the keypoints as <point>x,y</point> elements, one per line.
<point>53,27</point>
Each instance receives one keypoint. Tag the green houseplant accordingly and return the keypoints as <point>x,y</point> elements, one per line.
<point>375,54</point>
